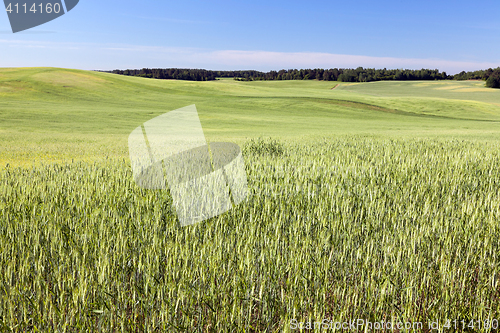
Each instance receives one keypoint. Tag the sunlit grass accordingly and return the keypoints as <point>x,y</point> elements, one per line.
<point>377,229</point>
<point>375,201</point>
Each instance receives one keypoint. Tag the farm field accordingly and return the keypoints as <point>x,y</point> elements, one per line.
<point>49,114</point>
<point>376,201</point>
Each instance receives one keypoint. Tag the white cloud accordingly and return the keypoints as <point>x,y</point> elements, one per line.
<point>278,60</point>
<point>112,56</point>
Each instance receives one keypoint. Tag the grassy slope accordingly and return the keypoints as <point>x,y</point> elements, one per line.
<point>51,114</point>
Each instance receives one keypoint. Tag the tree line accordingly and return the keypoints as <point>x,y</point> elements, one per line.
<point>491,76</point>
<point>170,73</point>
<point>360,74</point>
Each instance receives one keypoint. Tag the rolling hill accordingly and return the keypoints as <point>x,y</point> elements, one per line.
<point>53,114</point>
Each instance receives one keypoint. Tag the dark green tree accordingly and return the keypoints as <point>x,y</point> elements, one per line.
<point>493,82</point>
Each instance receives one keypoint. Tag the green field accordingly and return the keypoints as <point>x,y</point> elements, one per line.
<point>377,201</point>
<point>53,114</point>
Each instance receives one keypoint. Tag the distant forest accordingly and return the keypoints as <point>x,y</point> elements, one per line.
<point>360,74</point>
<point>491,76</point>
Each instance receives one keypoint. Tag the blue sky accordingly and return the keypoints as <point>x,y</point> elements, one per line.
<point>262,35</point>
